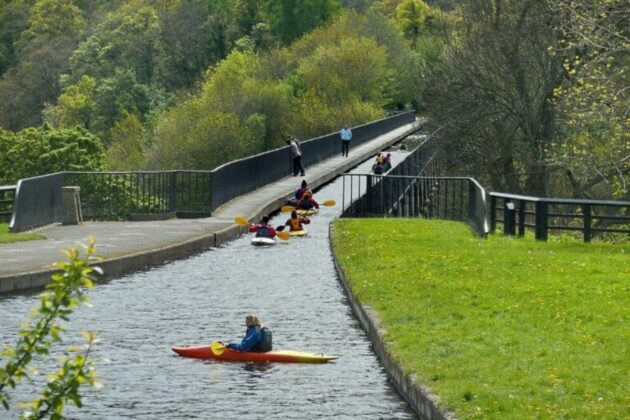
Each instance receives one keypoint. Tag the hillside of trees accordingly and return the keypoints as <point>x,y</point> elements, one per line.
<point>528,96</point>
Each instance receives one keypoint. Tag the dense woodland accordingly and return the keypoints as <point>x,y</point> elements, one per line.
<point>528,96</point>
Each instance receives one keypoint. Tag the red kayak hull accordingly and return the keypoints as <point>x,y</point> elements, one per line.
<point>282,356</point>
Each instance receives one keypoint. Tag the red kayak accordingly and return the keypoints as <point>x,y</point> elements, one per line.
<point>218,351</point>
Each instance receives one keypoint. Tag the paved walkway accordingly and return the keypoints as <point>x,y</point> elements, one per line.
<point>129,246</point>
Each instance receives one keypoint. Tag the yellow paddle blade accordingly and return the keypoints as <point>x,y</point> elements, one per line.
<point>283,235</point>
<point>217,348</point>
<point>240,220</point>
<point>286,209</point>
<point>329,203</point>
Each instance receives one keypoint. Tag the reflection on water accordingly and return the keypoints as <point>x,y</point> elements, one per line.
<point>292,287</point>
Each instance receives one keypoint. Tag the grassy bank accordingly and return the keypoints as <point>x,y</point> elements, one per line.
<point>6,236</point>
<point>498,328</point>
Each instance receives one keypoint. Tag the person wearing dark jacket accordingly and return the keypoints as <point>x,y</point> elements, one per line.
<point>300,191</point>
<point>296,155</point>
<point>263,230</point>
<point>307,202</point>
<point>253,336</point>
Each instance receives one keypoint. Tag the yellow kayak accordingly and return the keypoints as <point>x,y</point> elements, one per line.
<point>298,232</point>
<point>307,212</point>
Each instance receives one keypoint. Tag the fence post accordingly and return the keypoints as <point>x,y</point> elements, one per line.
<point>521,218</point>
<point>172,191</point>
<point>542,221</point>
<point>586,209</point>
<point>493,213</point>
<point>509,218</point>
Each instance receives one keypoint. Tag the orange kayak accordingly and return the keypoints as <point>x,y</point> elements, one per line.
<point>282,356</point>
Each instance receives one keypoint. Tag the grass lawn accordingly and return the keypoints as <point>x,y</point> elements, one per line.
<point>6,236</point>
<point>499,328</point>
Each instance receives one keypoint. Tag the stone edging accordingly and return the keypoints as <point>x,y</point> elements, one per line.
<point>418,396</point>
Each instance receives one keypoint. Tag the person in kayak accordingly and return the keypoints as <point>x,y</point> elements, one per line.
<point>254,339</point>
<point>307,202</point>
<point>296,221</point>
<point>300,191</point>
<point>263,230</point>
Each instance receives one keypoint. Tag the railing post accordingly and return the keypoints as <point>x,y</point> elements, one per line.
<point>588,220</point>
<point>172,191</point>
<point>521,218</point>
<point>493,214</point>
<point>509,218</point>
<point>542,221</point>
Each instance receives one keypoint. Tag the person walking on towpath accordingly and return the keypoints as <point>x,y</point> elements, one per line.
<point>296,154</point>
<point>346,136</point>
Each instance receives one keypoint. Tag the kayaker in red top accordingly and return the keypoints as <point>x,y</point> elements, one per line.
<point>307,202</point>
<point>263,230</point>
<point>257,338</point>
<point>296,221</point>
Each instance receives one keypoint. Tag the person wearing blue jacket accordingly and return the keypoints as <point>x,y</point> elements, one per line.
<point>253,336</point>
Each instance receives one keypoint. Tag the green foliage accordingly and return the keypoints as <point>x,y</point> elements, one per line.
<point>497,328</point>
<point>76,104</point>
<point>125,152</point>
<point>290,19</point>
<point>54,18</point>
<point>410,18</point>
<point>38,151</point>
<point>36,338</point>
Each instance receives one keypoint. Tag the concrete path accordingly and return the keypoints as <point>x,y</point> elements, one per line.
<point>131,246</point>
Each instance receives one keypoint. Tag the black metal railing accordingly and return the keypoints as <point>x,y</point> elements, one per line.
<point>244,175</point>
<point>125,195</point>
<point>7,195</point>
<point>454,198</point>
<point>517,213</point>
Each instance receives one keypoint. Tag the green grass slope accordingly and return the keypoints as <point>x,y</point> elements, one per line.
<point>498,328</point>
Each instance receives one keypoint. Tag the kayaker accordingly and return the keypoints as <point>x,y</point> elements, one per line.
<point>300,191</point>
<point>254,336</point>
<point>296,221</point>
<point>263,230</point>
<point>307,202</point>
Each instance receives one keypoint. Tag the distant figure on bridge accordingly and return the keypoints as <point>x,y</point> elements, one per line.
<point>346,136</point>
<point>297,221</point>
<point>307,202</point>
<point>296,155</point>
<point>263,230</point>
<point>257,337</point>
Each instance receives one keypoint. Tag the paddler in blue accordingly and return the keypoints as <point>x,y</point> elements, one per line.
<point>253,336</point>
<point>296,221</point>
<point>263,230</point>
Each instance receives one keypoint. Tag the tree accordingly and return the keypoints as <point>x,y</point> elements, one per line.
<point>76,104</point>
<point>125,152</point>
<point>53,18</point>
<point>594,151</point>
<point>410,18</point>
<point>491,98</point>
<point>38,151</point>
<point>290,19</point>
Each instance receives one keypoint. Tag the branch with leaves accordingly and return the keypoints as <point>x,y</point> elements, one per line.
<point>66,291</point>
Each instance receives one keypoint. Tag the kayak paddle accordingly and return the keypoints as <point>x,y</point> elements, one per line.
<point>240,220</point>
<point>327,203</point>
<point>217,348</point>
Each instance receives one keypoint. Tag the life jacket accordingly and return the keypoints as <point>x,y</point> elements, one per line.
<point>263,232</point>
<point>265,342</point>
<point>295,224</point>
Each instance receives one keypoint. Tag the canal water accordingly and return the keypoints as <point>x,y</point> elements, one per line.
<point>292,287</point>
